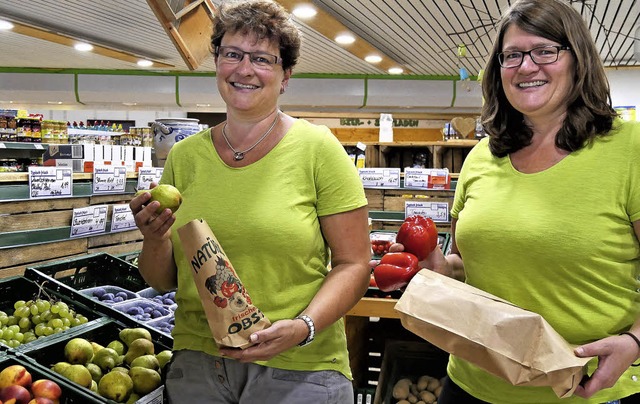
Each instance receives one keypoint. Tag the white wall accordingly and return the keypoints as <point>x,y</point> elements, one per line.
<point>625,88</point>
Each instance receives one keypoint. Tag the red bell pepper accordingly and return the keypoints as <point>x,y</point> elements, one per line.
<point>395,271</point>
<point>419,235</point>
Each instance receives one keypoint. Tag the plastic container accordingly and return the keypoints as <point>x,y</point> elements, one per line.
<point>380,242</point>
<point>163,324</point>
<point>53,351</point>
<point>71,393</point>
<point>94,270</point>
<point>146,306</point>
<point>165,299</point>
<point>100,293</point>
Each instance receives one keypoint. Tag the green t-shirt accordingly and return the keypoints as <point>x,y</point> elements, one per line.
<point>266,218</point>
<point>559,243</point>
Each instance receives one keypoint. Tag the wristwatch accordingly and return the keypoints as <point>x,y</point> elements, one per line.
<point>312,329</point>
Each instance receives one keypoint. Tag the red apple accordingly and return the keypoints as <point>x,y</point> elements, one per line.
<point>46,388</point>
<point>43,400</point>
<point>15,374</point>
<point>17,392</point>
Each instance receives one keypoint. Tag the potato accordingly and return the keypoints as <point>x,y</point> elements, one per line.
<point>427,396</point>
<point>438,391</point>
<point>433,385</point>
<point>413,389</point>
<point>403,402</point>
<point>400,391</point>
<point>412,399</point>
<point>423,382</point>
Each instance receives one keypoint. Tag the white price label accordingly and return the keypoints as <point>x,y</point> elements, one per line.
<point>50,182</point>
<point>109,179</point>
<point>380,177</point>
<point>89,220</point>
<point>437,211</point>
<point>147,175</point>
<point>122,218</point>
<point>416,178</point>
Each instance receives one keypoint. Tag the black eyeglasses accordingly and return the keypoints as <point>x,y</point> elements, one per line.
<point>261,60</point>
<point>542,55</point>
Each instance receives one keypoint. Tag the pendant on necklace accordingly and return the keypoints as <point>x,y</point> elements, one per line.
<point>237,156</point>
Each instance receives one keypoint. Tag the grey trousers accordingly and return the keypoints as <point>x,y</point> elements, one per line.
<point>198,378</point>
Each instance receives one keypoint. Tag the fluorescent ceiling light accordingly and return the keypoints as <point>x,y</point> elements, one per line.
<point>5,24</point>
<point>145,63</point>
<point>83,47</point>
<point>304,11</point>
<point>373,59</point>
<point>345,39</point>
<point>395,70</point>
<point>54,102</point>
<point>129,103</point>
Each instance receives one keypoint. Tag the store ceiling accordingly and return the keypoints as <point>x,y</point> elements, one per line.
<point>421,35</point>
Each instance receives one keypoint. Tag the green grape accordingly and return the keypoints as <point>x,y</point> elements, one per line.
<point>48,331</point>
<point>83,319</point>
<point>39,330</point>
<point>40,304</point>
<point>56,323</point>
<point>64,313</point>
<point>29,334</point>
<point>65,327</point>
<point>45,315</point>
<point>36,319</point>
<point>22,312</point>
<point>8,334</point>
<point>66,322</point>
<point>19,337</point>
<point>47,304</point>
<point>24,323</point>
<point>75,322</point>
<point>63,306</point>
<point>1,332</point>
<point>4,319</point>
<point>14,343</point>
<point>14,328</point>
<point>34,310</point>
<point>19,303</point>
<point>13,320</point>
<point>4,342</point>
<point>55,308</point>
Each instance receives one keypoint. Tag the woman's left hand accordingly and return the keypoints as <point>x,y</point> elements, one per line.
<point>270,342</point>
<point>615,355</point>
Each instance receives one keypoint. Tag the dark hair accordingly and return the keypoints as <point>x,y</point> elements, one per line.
<point>263,18</point>
<point>589,110</point>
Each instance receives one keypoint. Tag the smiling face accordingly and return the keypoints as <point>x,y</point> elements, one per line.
<point>537,91</point>
<point>245,88</point>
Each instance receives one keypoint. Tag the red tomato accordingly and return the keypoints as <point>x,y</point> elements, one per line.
<point>419,235</point>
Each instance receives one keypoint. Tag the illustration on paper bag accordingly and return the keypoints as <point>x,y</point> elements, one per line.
<point>226,289</point>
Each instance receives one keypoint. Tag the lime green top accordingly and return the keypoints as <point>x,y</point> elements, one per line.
<point>265,216</point>
<point>560,243</point>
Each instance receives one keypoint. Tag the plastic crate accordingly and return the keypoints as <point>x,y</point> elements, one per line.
<point>408,359</point>
<point>71,394</point>
<point>94,270</point>
<point>52,351</point>
<point>157,323</point>
<point>20,288</point>
<point>109,289</point>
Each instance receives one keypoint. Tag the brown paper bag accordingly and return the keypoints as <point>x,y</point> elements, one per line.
<point>231,315</point>
<point>509,342</point>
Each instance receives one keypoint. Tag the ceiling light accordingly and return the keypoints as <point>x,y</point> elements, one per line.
<point>203,105</point>
<point>304,11</point>
<point>373,59</point>
<point>54,102</point>
<point>395,70</point>
<point>83,47</point>
<point>129,104</point>
<point>345,39</point>
<point>145,63</point>
<point>5,24</point>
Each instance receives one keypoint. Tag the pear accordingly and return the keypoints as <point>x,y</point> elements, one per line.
<point>146,361</point>
<point>137,348</point>
<point>96,347</point>
<point>94,387</point>
<point>60,366</point>
<point>133,398</point>
<point>120,369</point>
<point>128,335</point>
<point>106,358</point>
<point>78,374</point>
<point>116,386</point>
<point>164,357</point>
<point>144,380</point>
<point>78,351</point>
<point>95,370</point>
<point>117,346</point>
<point>167,195</point>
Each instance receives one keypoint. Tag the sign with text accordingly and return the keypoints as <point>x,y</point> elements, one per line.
<point>437,211</point>
<point>122,218</point>
<point>147,175</point>
<point>89,220</point>
<point>109,179</point>
<point>380,177</point>
<point>416,178</point>
<point>50,182</point>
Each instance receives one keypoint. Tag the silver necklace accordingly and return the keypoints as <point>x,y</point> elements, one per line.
<point>239,155</point>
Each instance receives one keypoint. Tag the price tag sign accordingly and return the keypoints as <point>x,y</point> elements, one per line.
<point>109,179</point>
<point>416,178</point>
<point>437,211</point>
<point>50,182</point>
<point>89,220</point>
<point>122,218</point>
<point>380,177</point>
<point>147,175</point>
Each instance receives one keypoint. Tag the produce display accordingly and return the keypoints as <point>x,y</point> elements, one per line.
<point>123,370</point>
<point>110,294</point>
<point>33,319</point>
<point>17,387</point>
<point>424,390</point>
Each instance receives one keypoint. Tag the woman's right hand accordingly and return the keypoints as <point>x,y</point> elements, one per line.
<point>153,226</point>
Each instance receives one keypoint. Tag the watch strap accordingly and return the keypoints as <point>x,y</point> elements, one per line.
<point>312,329</point>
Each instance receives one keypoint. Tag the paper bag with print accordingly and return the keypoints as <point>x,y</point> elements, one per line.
<point>231,315</point>
<point>509,342</point>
